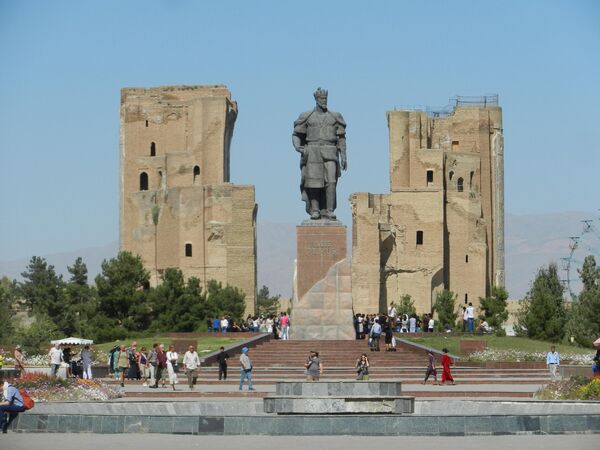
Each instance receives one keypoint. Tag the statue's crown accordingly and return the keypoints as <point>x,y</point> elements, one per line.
<point>320,93</point>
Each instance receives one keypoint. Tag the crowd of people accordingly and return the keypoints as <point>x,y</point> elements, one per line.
<point>277,324</point>
<point>400,322</point>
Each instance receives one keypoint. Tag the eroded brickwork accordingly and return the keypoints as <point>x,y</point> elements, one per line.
<point>178,207</point>
<point>441,225</point>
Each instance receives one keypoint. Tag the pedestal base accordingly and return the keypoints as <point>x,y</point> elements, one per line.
<point>322,304</point>
<point>319,245</point>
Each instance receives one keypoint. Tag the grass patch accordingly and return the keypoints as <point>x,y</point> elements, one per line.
<point>203,344</point>
<point>504,343</point>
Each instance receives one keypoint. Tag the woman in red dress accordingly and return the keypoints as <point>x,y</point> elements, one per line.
<point>446,363</point>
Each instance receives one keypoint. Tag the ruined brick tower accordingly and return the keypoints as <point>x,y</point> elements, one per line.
<point>442,224</point>
<point>178,207</point>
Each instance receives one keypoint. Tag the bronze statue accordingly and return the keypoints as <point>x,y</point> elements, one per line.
<point>320,137</point>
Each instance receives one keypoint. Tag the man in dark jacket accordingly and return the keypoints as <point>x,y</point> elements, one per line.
<point>222,359</point>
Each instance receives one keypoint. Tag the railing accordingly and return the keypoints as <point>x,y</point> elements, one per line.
<point>482,101</point>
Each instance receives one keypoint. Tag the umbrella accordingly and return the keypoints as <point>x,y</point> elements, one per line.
<point>597,343</point>
<point>73,341</point>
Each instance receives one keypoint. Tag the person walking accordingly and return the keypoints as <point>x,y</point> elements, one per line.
<point>133,373</point>
<point>374,335</point>
<point>362,368</point>
<point>446,363</point>
<point>172,358</point>
<point>86,360</point>
<point>56,359</point>
<point>246,373</point>
<point>431,370</point>
<point>552,362</point>
<point>123,364</point>
<point>19,360</point>
<point>191,362</point>
<point>143,365</point>
<point>161,365</point>
<point>152,364</point>
<point>222,358</point>
<point>314,366</point>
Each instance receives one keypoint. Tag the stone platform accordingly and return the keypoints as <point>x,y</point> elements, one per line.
<point>339,397</point>
<point>339,388</point>
<point>339,405</point>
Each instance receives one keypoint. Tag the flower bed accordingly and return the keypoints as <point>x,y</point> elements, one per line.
<point>44,388</point>
<point>491,355</point>
<point>576,388</point>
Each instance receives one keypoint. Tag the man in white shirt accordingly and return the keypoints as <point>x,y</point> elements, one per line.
<point>392,314</point>
<point>224,324</point>
<point>552,362</point>
<point>191,362</point>
<point>412,324</point>
<point>431,324</point>
<point>470,312</point>
<point>56,358</point>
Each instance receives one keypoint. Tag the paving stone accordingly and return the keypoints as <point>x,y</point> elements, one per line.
<point>451,426</point>
<point>211,425</point>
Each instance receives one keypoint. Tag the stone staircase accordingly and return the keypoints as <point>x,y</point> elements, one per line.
<point>284,361</point>
<point>276,361</point>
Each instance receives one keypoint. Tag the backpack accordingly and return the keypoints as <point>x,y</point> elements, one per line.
<point>28,402</point>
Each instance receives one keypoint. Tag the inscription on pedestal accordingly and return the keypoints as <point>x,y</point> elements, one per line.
<point>322,248</point>
<point>318,249</point>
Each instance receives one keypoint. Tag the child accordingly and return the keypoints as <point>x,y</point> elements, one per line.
<point>446,363</point>
<point>431,370</point>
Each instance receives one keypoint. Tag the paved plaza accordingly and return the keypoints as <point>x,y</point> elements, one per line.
<point>20,441</point>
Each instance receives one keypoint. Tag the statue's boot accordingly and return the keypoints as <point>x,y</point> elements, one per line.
<point>330,200</point>
<point>315,214</point>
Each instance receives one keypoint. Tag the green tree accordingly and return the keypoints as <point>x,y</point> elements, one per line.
<point>584,317</point>
<point>226,300</point>
<point>444,306</point>
<point>36,337</point>
<point>494,308</point>
<point>266,304</point>
<point>8,299</point>
<point>82,302</point>
<point>178,306</point>
<point>43,289</point>
<point>543,314</point>
<point>122,293</point>
<point>406,305</point>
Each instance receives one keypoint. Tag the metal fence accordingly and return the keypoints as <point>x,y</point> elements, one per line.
<point>482,101</point>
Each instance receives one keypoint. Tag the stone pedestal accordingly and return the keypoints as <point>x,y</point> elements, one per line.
<point>322,304</point>
<point>320,244</point>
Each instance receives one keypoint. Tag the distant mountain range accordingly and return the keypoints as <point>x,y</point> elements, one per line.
<point>532,241</point>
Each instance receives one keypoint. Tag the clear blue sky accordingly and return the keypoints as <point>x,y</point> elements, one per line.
<point>62,64</point>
